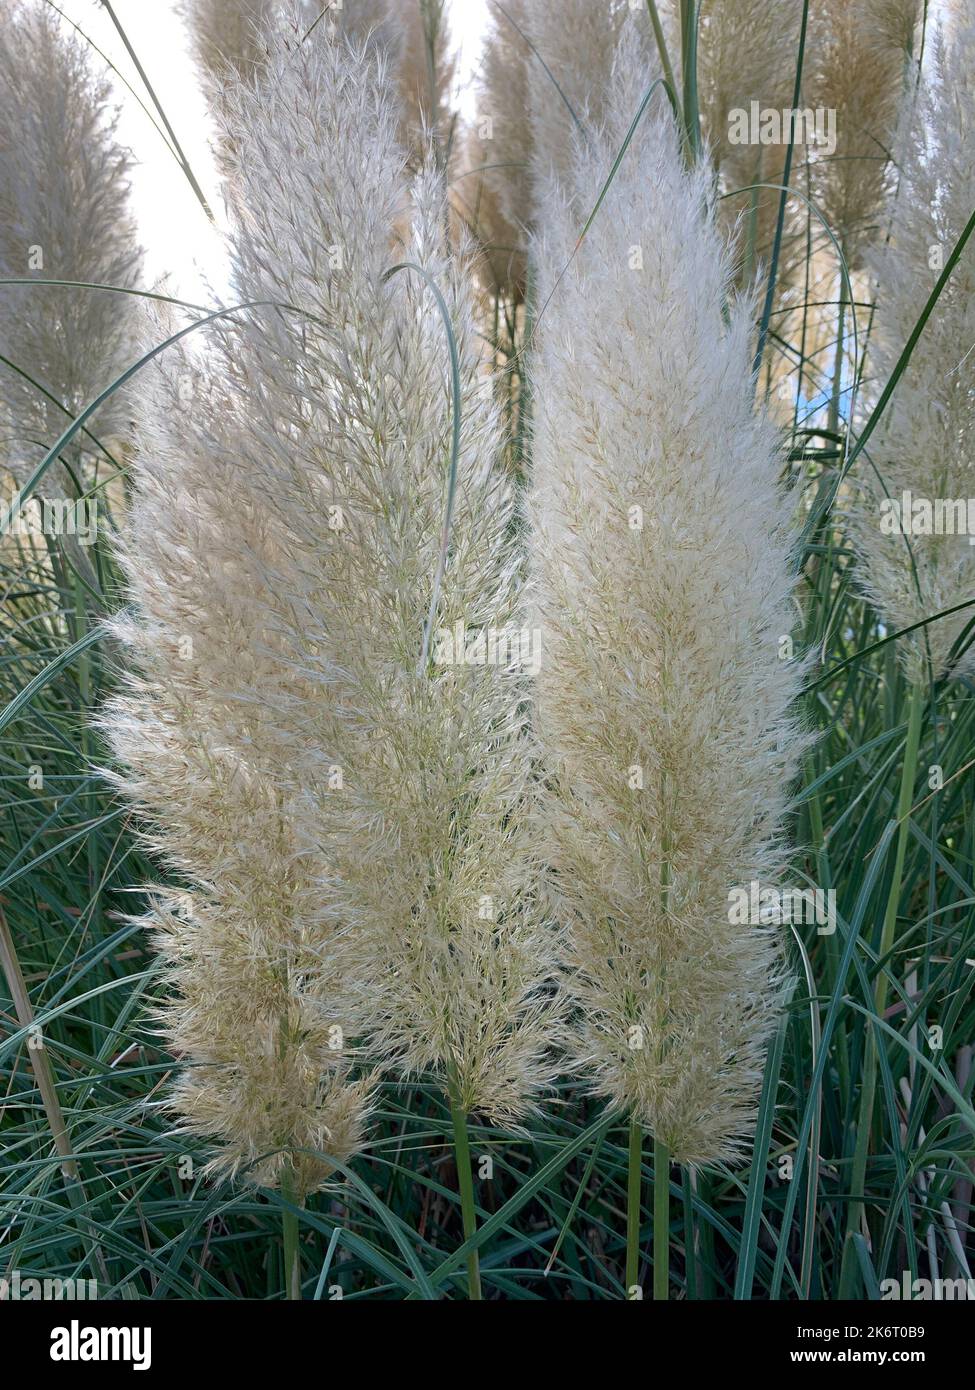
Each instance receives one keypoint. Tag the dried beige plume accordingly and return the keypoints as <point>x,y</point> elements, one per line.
<point>924,445</point>
<point>426,73</point>
<point>744,55</point>
<point>859,57</point>
<point>494,192</point>
<point>267,989</point>
<point>503,119</point>
<point>662,571</point>
<point>545,74</point>
<point>502,258</point>
<point>64,215</point>
<point>892,25</point>
<point>230,37</point>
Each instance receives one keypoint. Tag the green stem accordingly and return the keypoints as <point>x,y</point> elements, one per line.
<point>692,114</point>
<point>465,1184</point>
<point>904,802</point>
<point>701,1189</point>
<point>177,148</point>
<point>47,1088</point>
<point>869,1089</point>
<point>289,1232</point>
<point>665,63</point>
<point>634,1183</point>
<point>691,1253</point>
<point>661,1221</point>
<point>837,390</point>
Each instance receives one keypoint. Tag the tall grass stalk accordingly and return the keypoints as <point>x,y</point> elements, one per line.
<point>640,853</point>
<point>465,1183</point>
<point>663,51</point>
<point>47,1089</point>
<point>289,1234</point>
<point>865,1124</point>
<point>661,1221</point>
<point>634,1193</point>
<point>689,14</point>
<point>37,1053</point>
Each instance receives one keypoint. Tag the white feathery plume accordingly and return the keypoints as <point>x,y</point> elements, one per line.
<point>231,38</point>
<point>924,444</point>
<point>64,215</point>
<point>264,996</point>
<point>661,563</point>
<point>414,35</point>
<point>267,992</point>
<point>340,817</point>
<point>577,42</point>
<point>429,865</point>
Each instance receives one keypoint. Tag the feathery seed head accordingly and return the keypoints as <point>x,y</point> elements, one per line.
<point>426,71</point>
<point>429,866</point>
<point>266,998</point>
<point>859,53</point>
<point>744,56</point>
<point>545,74</point>
<point>63,215</point>
<point>661,571</point>
<point>349,826</point>
<point>921,460</point>
<point>231,40</point>
<point>230,37</point>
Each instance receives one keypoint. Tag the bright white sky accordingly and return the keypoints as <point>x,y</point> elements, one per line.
<point>179,240</point>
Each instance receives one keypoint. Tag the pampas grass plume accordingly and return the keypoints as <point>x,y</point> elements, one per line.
<point>340,817</point>
<point>64,215</point>
<point>546,70</point>
<point>924,444</point>
<point>859,52</point>
<point>430,867</point>
<point>661,560</point>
